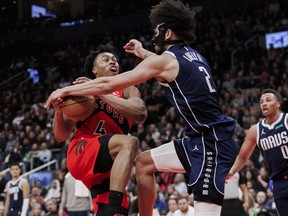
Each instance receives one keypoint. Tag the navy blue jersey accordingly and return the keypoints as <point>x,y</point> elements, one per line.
<point>15,192</point>
<point>193,94</point>
<point>273,143</point>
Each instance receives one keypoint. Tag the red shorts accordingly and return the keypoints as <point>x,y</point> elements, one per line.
<point>89,161</point>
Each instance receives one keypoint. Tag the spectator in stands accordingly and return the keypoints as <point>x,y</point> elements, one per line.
<point>3,182</point>
<point>262,179</point>
<point>232,205</point>
<point>11,141</point>
<point>51,207</point>
<point>42,190</point>
<point>37,211</point>
<point>44,155</point>
<point>160,203</point>
<point>270,202</point>
<point>251,205</point>
<point>10,157</point>
<point>153,130</point>
<point>180,183</point>
<point>172,206</point>
<point>30,155</point>
<point>261,199</point>
<point>35,197</point>
<point>184,209</point>
<point>54,191</point>
<point>76,198</point>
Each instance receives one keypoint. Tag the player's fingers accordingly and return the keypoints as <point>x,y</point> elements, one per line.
<point>80,80</point>
<point>47,104</point>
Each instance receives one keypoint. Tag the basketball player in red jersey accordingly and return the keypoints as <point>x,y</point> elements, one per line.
<point>101,154</point>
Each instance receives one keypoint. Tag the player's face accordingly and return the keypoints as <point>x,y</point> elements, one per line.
<point>106,65</point>
<point>159,49</point>
<point>269,104</point>
<point>15,171</point>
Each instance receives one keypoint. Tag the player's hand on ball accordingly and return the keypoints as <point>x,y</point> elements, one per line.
<point>55,97</point>
<point>57,105</point>
<point>80,80</point>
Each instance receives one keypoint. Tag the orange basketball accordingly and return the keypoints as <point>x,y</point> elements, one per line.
<point>78,108</point>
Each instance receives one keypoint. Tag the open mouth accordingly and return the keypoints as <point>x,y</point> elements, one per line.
<point>113,69</point>
<point>265,111</point>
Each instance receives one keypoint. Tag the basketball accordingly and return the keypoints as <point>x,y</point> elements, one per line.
<point>78,108</point>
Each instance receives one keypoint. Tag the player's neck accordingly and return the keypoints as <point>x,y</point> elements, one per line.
<point>15,178</point>
<point>273,118</point>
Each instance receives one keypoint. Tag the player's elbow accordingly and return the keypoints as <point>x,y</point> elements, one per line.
<point>142,116</point>
<point>59,138</point>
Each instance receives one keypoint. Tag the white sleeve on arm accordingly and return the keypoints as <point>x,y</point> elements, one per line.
<point>25,206</point>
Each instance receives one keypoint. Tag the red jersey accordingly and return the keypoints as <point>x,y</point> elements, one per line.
<point>84,147</point>
<point>104,120</point>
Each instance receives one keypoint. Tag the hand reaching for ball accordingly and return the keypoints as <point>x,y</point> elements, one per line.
<point>54,98</point>
<point>80,80</point>
<point>57,105</point>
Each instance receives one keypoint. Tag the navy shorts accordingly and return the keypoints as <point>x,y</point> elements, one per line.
<point>14,211</point>
<point>280,193</point>
<point>207,163</point>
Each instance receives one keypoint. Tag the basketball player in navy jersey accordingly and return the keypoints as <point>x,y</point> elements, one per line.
<point>208,151</point>
<point>17,193</point>
<point>101,154</point>
<point>271,136</point>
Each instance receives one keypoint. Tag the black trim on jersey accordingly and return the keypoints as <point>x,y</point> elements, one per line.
<point>124,127</point>
<point>100,188</point>
<point>103,161</point>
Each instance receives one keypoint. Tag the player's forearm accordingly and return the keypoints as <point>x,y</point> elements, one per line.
<point>130,108</point>
<point>25,206</point>
<point>61,128</point>
<point>97,86</point>
<point>238,164</point>
<point>147,53</point>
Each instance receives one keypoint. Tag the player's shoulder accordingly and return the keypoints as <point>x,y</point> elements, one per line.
<point>23,181</point>
<point>131,91</point>
<point>253,130</point>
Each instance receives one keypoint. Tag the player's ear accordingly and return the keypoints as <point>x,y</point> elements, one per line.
<point>168,34</point>
<point>94,71</point>
<point>278,104</point>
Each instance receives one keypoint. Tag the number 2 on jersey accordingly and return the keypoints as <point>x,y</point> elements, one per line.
<point>207,77</point>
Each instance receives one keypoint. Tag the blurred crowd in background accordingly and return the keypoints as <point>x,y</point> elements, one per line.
<point>26,127</point>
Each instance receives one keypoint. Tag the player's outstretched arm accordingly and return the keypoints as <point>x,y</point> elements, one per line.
<point>158,66</point>
<point>245,152</point>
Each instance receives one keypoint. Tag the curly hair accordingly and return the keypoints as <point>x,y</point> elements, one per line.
<point>89,61</point>
<point>177,17</point>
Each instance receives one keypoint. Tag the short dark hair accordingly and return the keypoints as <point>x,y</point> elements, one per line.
<point>274,92</point>
<point>177,17</point>
<point>89,61</point>
<point>14,164</point>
